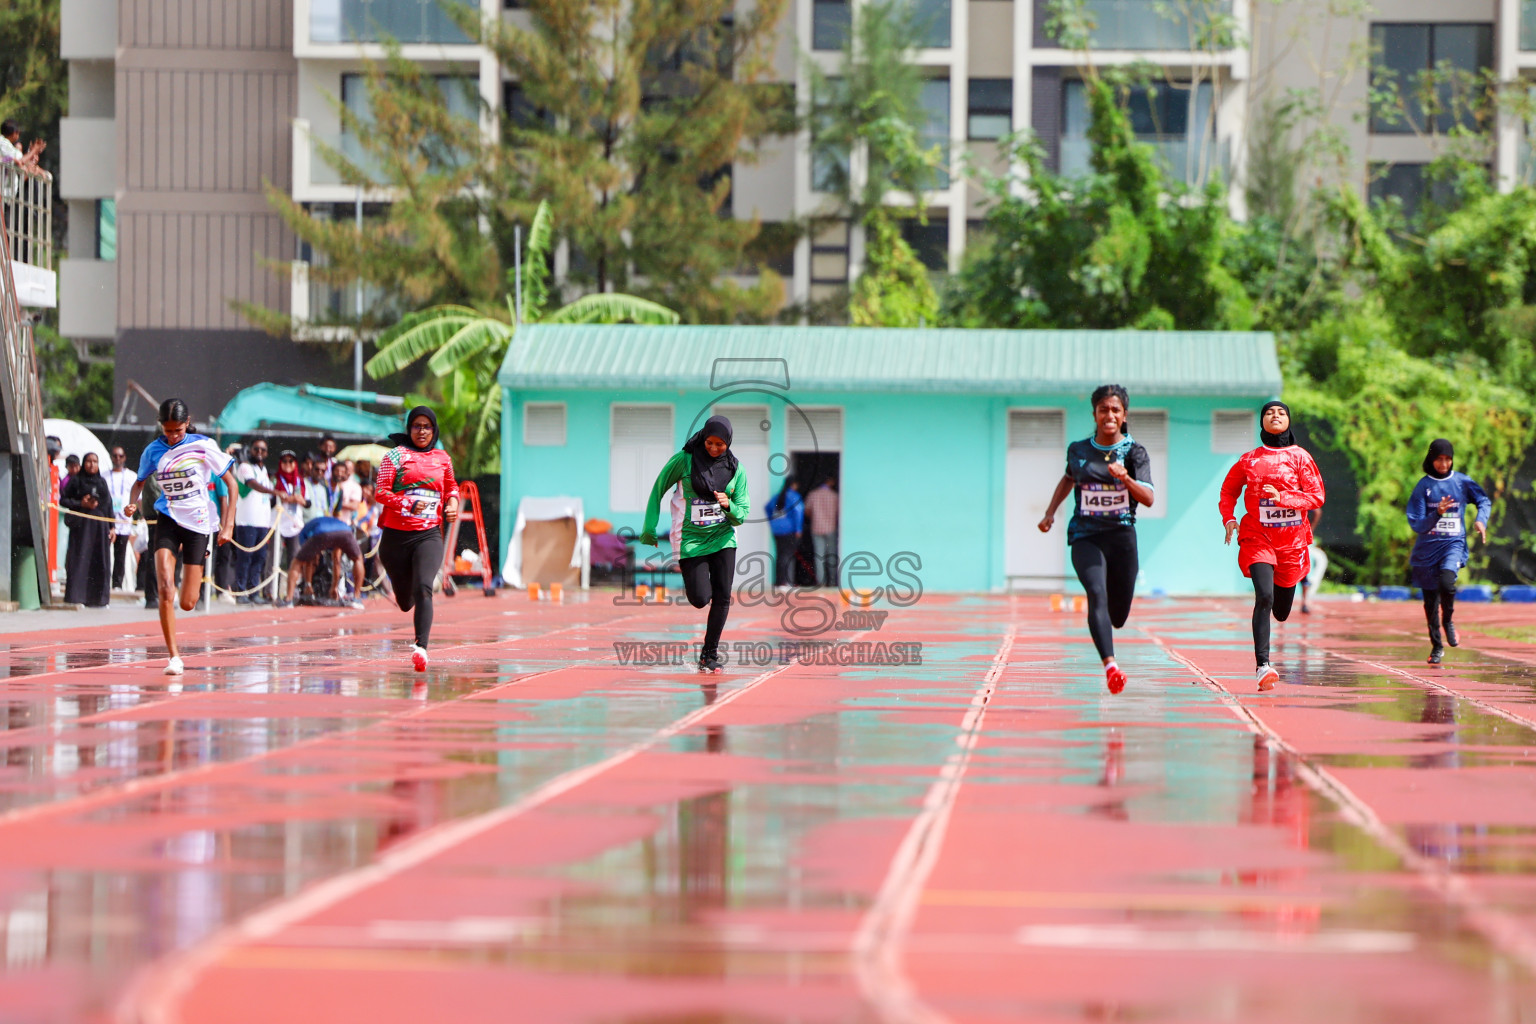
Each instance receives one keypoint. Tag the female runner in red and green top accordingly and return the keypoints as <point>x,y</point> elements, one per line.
<point>415,485</point>
<point>715,501</point>
<point>1283,485</point>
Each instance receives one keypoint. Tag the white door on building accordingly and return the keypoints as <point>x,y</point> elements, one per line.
<point>749,440</point>
<point>1037,452</point>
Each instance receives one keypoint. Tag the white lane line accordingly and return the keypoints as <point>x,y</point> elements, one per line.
<point>1508,716</point>
<point>877,946</point>
<point>1135,939</point>
<point>1504,931</point>
<point>155,996</point>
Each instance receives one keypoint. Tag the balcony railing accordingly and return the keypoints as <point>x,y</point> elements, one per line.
<point>28,202</point>
<point>322,172</point>
<point>1139,25</point>
<point>1194,162</point>
<point>372,21</point>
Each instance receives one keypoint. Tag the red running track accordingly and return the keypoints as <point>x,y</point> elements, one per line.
<point>537,830</point>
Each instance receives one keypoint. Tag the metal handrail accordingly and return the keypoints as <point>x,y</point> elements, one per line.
<point>28,210</point>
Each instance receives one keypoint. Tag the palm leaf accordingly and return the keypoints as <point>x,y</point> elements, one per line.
<point>489,421</point>
<point>612,308</point>
<point>468,341</point>
<point>417,334</point>
<point>541,239</point>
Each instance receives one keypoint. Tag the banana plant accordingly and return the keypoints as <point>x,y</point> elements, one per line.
<point>466,346</point>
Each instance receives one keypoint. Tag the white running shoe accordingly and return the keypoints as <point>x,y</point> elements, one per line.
<point>174,667</point>
<point>355,605</point>
<point>419,658</point>
<point>1267,676</point>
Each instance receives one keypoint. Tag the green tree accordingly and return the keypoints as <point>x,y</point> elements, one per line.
<point>72,389</point>
<point>34,85</point>
<point>631,114</point>
<point>467,346</point>
<point>1120,247</point>
<point>866,128</point>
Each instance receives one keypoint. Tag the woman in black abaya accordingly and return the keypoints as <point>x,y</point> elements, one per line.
<point>88,565</point>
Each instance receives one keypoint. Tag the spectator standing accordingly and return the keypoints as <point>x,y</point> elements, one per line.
<point>347,493</point>
<point>253,521</point>
<point>317,488</point>
<point>11,151</point>
<point>119,482</point>
<point>821,509</point>
<point>786,520</point>
<point>292,501</point>
<point>89,564</point>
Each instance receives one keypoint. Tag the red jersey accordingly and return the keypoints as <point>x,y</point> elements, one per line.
<point>412,486</point>
<point>1279,523</point>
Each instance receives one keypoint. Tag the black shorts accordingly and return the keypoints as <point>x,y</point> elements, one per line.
<point>172,536</point>
<point>336,540</point>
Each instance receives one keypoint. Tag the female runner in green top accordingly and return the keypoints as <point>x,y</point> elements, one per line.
<point>714,490</point>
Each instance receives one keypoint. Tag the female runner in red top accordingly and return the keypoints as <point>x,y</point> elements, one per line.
<point>1283,485</point>
<point>415,486</point>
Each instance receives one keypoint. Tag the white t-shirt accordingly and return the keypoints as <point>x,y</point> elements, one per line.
<point>348,492</point>
<point>254,508</point>
<point>120,484</point>
<point>290,517</point>
<point>182,474</point>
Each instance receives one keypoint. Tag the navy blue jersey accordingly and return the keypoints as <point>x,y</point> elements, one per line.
<point>1100,501</point>
<point>1442,539</point>
<point>322,524</point>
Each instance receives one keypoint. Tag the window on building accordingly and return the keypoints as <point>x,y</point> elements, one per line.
<point>640,443</point>
<point>930,241</point>
<point>1402,58</point>
<point>989,108</point>
<point>1175,120</point>
<point>1411,185</point>
<point>773,249</point>
<point>830,21</point>
<point>829,159</point>
<point>1233,431</point>
<point>106,229</point>
<point>829,260</point>
<point>522,112</point>
<point>1150,428</point>
<point>933,22</point>
<point>935,101</point>
<point>544,425</point>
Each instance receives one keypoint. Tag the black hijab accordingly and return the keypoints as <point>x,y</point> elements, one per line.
<point>405,438</point>
<point>1438,447</point>
<point>82,483</point>
<point>1284,440</point>
<point>710,475</point>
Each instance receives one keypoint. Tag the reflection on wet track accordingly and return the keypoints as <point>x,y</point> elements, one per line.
<point>536,830</point>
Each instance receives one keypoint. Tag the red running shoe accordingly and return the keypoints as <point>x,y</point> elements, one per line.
<point>418,658</point>
<point>1114,678</point>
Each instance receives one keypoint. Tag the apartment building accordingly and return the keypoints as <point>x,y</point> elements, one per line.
<point>181,110</point>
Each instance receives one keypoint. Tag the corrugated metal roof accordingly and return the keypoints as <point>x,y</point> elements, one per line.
<point>895,360</point>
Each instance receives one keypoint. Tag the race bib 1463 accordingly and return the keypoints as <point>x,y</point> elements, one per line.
<point>1104,499</point>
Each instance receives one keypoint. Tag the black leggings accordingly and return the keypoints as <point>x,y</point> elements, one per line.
<point>709,580</point>
<point>412,559</point>
<point>1106,564</point>
<point>1267,599</point>
<point>1445,599</point>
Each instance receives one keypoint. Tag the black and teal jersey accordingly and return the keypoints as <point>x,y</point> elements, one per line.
<point>1101,501</point>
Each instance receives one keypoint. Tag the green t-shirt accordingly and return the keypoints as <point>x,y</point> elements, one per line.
<point>707,527</point>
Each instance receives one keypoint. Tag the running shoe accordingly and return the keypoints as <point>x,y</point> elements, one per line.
<point>419,658</point>
<point>1450,635</point>
<point>174,667</point>
<point>355,605</point>
<point>1436,654</point>
<point>711,663</point>
<point>1267,677</point>
<point>1114,677</point>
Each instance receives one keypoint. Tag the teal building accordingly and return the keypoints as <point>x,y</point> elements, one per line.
<point>945,445</point>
